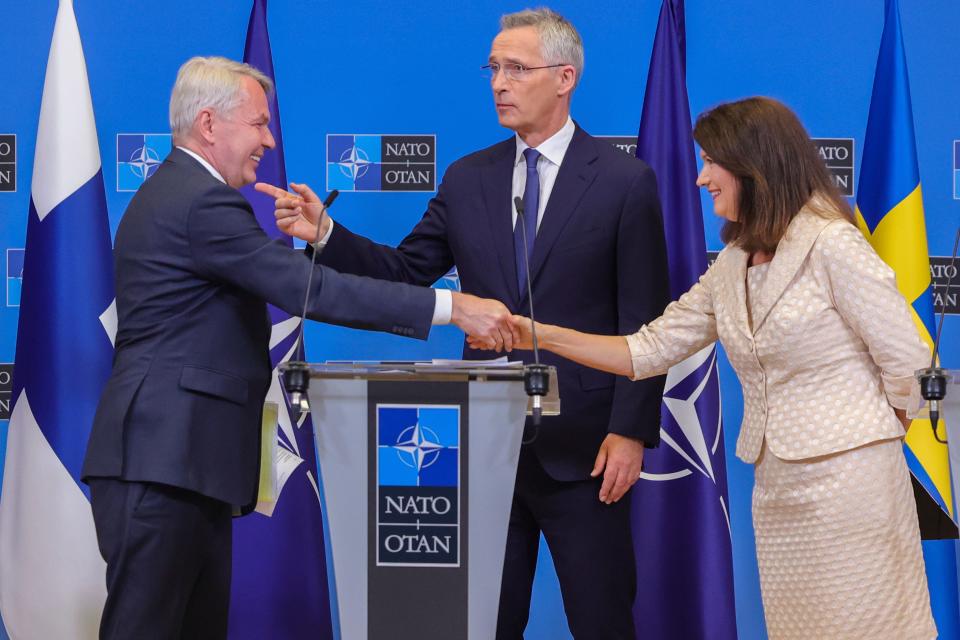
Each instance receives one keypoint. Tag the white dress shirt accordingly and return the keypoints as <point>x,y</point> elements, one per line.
<point>206,165</point>
<point>443,305</point>
<point>552,150</point>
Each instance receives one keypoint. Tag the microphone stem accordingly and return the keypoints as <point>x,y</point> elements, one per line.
<point>313,262</point>
<point>306,295</point>
<point>933,381</point>
<point>526,264</point>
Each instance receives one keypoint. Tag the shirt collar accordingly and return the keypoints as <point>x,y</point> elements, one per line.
<point>206,165</point>
<point>553,148</point>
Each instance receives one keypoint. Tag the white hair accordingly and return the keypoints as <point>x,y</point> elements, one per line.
<point>209,82</point>
<point>559,41</point>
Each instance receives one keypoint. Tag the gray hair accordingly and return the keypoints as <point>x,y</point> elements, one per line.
<point>212,82</point>
<point>559,40</point>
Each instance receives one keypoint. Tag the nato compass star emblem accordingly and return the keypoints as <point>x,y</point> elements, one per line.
<point>450,280</point>
<point>139,155</point>
<point>692,429</point>
<point>354,163</point>
<point>143,162</point>
<point>418,447</point>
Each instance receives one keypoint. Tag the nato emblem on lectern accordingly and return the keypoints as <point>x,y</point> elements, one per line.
<point>418,485</point>
<point>138,156</point>
<point>379,162</point>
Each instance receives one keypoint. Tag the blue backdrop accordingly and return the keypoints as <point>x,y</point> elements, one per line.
<point>413,68</point>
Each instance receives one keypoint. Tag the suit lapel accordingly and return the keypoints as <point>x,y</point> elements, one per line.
<point>496,181</point>
<point>735,274</point>
<point>791,253</point>
<point>577,173</point>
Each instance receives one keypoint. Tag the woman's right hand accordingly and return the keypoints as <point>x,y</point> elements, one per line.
<point>523,329</point>
<point>607,353</point>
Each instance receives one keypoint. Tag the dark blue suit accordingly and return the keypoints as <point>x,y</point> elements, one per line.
<point>177,431</point>
<point>599,265</point>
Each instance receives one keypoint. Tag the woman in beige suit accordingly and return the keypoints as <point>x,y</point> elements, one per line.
<point>825,349</point>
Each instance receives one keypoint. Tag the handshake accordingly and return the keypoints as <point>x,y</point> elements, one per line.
<point>487,323</point>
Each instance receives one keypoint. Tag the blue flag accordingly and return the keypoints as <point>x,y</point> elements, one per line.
<point>52,578</point>
<point>681,518</point>
<point>280,585</point>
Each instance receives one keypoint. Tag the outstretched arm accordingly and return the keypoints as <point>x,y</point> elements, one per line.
<point>607,353</point>
<point>685,327</point>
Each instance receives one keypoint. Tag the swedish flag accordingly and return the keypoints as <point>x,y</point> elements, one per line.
<point>889,211</point>
<point>890,214</point>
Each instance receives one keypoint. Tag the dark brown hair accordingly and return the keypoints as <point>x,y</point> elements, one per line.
<point>763,144</point>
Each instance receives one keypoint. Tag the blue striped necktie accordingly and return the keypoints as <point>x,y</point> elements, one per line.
<point>531,206</point>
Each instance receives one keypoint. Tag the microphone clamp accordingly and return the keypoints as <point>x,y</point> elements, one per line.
<point>933,389</point>
<point>296,381</point>
<point>536,382</point>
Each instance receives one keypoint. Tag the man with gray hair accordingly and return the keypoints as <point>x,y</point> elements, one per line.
<point>597,263</point>
<point>174,449</point>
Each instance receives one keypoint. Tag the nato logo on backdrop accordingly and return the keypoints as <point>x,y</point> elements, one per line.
<point>838,154</point>
<point>418,485</point>
<point>14,276</point>
<point>8,162</point>
<point>627,144</point>
<point>138,156</point>
<point>6,389</point>
<point>450,280</point>
<point>372,162</point>
<point>945,299</point>
<point>956,169</point>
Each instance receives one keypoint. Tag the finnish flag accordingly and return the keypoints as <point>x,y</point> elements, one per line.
<point>52,578</point>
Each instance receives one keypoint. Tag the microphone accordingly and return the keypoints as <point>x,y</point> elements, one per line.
<point>296,377</point>
<point>933,380</point>
<point>536,378</point>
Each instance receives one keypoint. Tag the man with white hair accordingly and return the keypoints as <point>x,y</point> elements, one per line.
<point>597,263</point>
<point>174,449</point>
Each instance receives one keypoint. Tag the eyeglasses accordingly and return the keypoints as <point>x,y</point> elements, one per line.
<point>513,70</point>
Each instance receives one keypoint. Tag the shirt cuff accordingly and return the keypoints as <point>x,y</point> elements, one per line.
<point>443,309</point>
<point>322,242</point>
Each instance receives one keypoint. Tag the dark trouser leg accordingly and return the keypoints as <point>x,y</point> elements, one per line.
<point>520,562</point>
<point>207,610</point>
<point>592,549</point>
<point>165,549</point>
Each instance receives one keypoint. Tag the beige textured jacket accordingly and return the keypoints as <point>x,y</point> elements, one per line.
<point>832,347</point>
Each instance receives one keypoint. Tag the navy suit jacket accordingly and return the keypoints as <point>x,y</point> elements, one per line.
<point>599,265</point>
<point>192,365</point>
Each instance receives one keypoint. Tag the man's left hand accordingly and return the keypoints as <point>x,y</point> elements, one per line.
<point>301,214</point>
<point>619,460</point>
